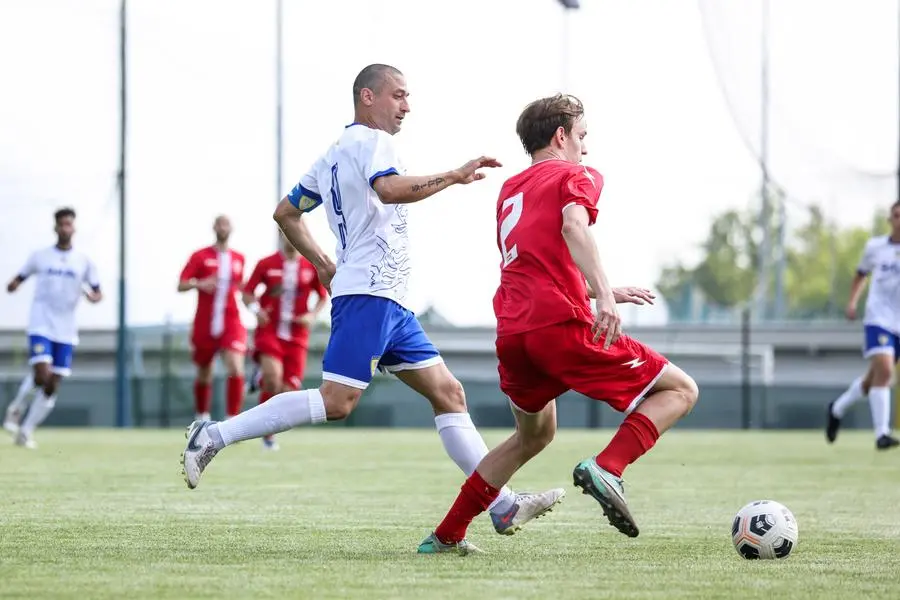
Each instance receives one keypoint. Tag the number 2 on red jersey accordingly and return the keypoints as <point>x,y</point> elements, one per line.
<point>509,223</point>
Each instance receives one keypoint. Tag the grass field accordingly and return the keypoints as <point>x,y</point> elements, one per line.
<point>338,513</point>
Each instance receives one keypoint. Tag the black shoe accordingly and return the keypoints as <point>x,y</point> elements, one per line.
<point>831,429</point>
<point>886,442</point>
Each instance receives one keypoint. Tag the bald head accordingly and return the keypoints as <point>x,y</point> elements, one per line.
<point>373,78</point>
<point>379,98</point>
<point>222,228</point>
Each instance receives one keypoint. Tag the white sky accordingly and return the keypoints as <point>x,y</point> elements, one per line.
<point>202,128</point>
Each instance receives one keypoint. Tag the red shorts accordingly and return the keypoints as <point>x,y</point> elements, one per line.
<point>206,348</point>
<point>291,355</point>
<point>540,365</point>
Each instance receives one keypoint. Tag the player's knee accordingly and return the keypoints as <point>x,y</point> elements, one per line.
<point>688,393</point>
<point>272,383</point>
<point>450,397</point>
<point>205,375</point>
<point>41,377</point>
<point>340,400</point>
<point>882,372</point>
<point>50,386</point>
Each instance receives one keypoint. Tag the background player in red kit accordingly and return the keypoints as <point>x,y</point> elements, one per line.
<point>217,273</point>
<point>281,340</point>
<point>548,340</point>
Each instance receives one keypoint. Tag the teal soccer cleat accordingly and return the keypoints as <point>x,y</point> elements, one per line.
<point>608,491</point>
<point>432,545</point>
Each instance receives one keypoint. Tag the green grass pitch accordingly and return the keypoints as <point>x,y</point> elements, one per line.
<point>338,513</point>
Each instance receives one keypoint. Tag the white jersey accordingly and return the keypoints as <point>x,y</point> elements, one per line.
<point>372,237</point>
<point>60,279</point>
<point>881,259</point>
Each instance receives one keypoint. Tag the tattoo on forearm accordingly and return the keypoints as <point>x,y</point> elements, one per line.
<point>430,183</point>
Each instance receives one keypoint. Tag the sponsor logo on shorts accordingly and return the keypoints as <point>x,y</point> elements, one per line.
<point>634,363</point>
<point>882,339</point>
<point>38,348</point>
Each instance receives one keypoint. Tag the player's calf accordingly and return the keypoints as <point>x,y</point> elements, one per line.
<point>671,398</point>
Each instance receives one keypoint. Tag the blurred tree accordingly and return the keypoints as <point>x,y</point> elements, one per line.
<point>821,261</point>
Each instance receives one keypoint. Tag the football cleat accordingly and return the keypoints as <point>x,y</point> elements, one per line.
<point>197,453</point>
<point>526,508</point>
<point>12,420</point>
<point>25,441</point>
<point>833,424</point>
<point>886,442</point>
<point>609,491</point>
<point>432,545</point>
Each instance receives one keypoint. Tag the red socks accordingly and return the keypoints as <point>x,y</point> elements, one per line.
<point>202,398</point>
<point>474,498</point>
<point>234,395</point>
<point>636,435</point>
<point>265,395</point>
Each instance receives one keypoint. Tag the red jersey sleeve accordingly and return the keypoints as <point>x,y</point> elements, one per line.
<point>256,278</point>
<point>192,269</point>
<point>583,186</point>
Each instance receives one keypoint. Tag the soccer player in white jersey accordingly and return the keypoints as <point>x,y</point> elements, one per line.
<point>881,323</point>
<point>364,188</point>
<point>61,274</point>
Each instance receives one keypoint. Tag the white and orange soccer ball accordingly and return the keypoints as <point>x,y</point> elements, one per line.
<point>764,529</point>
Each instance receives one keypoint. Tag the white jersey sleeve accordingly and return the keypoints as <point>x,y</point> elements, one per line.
<point>867,261</point>
<point>30,267</point>
<point>91,278</point>
<point>379,158</point>
<point>306,195</point>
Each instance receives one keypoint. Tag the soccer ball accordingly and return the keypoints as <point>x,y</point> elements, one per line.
<point>764,529</point>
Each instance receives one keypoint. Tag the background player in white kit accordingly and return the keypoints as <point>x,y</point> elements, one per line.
<point>363,185</point>
<point>61,274</point>
<point>881,260</point>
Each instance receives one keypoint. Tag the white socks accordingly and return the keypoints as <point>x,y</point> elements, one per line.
<point>20,402</point>
<point>279,413</point>
<point>853,394</point>
<point>40,408</point>
<point>465,446</point>
<point>880,403</point>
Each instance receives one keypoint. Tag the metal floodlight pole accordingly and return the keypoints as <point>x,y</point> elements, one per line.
<point>765,249</point>
<point>279,107</point>
<point>123,404</point>
<point>569,7</point>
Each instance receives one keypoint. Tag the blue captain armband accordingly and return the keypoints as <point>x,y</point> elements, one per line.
<point>305,200</point>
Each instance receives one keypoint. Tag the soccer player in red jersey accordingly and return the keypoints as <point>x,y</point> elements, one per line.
<point>549,341</point>
<point>282,311</point>
<point>217,273</point>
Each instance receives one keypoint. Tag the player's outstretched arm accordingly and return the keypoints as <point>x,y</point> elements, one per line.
<point>289,219</point>
<point>627,295</point>
<point>406,189</point>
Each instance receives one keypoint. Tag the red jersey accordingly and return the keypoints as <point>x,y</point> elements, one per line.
<point>540,284</point>
<point>288,284</point>
<point>217,311</point>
